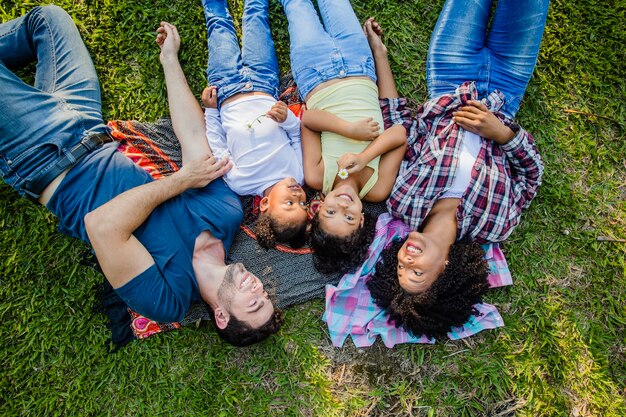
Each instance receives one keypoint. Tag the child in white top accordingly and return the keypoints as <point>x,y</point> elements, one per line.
<point>246,123</point>
<point>256,132</point>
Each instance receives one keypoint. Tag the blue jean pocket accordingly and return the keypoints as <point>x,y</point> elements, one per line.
<point>511,104</point>
<point>5,167</point>
<point>38,155</point>
<point>28,164</point>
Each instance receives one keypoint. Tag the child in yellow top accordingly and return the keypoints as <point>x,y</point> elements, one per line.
<point>335,72</point>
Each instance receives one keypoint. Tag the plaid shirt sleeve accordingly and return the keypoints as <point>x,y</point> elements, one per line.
<point>395,112</point>
<point>526,166</point>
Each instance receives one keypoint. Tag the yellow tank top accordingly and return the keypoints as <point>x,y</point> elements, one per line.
<point>351,100</point>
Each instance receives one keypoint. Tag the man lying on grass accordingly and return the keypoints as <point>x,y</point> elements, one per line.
<point>161,244</point>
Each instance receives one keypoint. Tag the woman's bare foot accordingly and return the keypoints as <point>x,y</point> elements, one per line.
<point>374,32</point>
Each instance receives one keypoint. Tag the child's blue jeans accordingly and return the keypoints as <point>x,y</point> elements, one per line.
<point>321,53</point>
<point>254,67</point>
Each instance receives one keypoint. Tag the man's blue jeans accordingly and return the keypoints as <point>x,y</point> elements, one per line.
<point>321,53</point>
<point>254,67</point>
<point>40,123</point>
<point>503,59</point>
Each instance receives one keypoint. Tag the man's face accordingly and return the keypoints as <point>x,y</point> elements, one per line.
<point>242,295</point>
<point>286,202</point>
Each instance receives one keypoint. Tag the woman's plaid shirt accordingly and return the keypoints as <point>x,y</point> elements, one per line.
<point>505,178</point>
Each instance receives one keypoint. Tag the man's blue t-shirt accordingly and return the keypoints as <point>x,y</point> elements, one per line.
<point>165,290</point>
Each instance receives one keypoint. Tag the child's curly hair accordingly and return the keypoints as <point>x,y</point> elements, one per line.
<point>447,303</point>
<point>341,254</point>
<point>269,232</point>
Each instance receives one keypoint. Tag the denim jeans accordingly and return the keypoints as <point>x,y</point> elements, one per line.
<point>40,123</point>
<point>503,59</point>
<point>254,67</point>
<point>321,53</point>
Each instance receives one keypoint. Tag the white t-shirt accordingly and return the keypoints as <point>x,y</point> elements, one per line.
<point>470,146</point>
<point>263,152</point>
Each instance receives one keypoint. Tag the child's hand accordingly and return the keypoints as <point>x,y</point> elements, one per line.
<point>278,112</point>
<point>477,118</point>
<point>168,40</point>
<point>364,129</point>
<point>351,162</point>
<point>209,97</point>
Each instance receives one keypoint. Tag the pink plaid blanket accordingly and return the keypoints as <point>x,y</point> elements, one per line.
<point>350,310</point>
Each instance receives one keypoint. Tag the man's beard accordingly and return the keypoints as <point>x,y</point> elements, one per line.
<point>227,288</point>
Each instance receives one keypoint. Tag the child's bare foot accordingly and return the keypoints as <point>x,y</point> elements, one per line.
<point>373,33</point>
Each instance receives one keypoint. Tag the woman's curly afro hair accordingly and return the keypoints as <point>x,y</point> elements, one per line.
<point>269,232</point>
<point>447,303</point>
<point>336,254</point>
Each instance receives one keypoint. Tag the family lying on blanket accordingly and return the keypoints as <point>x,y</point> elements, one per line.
<point>455,176</point>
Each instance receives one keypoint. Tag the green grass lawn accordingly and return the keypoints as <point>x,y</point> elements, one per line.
<point>562,352</point>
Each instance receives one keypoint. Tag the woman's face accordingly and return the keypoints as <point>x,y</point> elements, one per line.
<point>341,212</point>
<point>420,262</point>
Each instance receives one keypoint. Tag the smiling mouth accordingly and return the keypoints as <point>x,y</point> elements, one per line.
<point>413,250</point>
<point>248,280</point>
<point>346,197</point>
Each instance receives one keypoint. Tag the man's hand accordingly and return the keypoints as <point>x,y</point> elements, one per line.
<point>364,129</point>
<point>351,162</point>
<point>168,40</point>
<point>476,118</point>
<point>200,172</point>
<point>278,112</point>
<point>209,97</point>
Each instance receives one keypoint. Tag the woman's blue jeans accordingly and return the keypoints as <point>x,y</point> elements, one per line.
<point>321,53</point>
<point>254,67</point>
<point>40,123</point>
<point>504,58</point>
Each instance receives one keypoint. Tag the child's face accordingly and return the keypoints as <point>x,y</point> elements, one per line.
<point>286,202</point>
<point>341,212</point>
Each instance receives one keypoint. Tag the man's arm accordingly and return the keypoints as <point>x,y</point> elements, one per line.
<point>186,113</point>
<point>110,227</point>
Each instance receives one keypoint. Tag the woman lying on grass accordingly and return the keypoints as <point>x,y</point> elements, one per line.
<point>469,170</point>
<point>246,123</point>
<point>345,155</point>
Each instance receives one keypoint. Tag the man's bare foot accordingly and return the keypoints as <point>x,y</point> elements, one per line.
<point>374,32</point>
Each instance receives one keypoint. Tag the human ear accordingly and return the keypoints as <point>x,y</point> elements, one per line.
<point>362,222</point>
<point>221,318</point>
<point>264,205</point>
